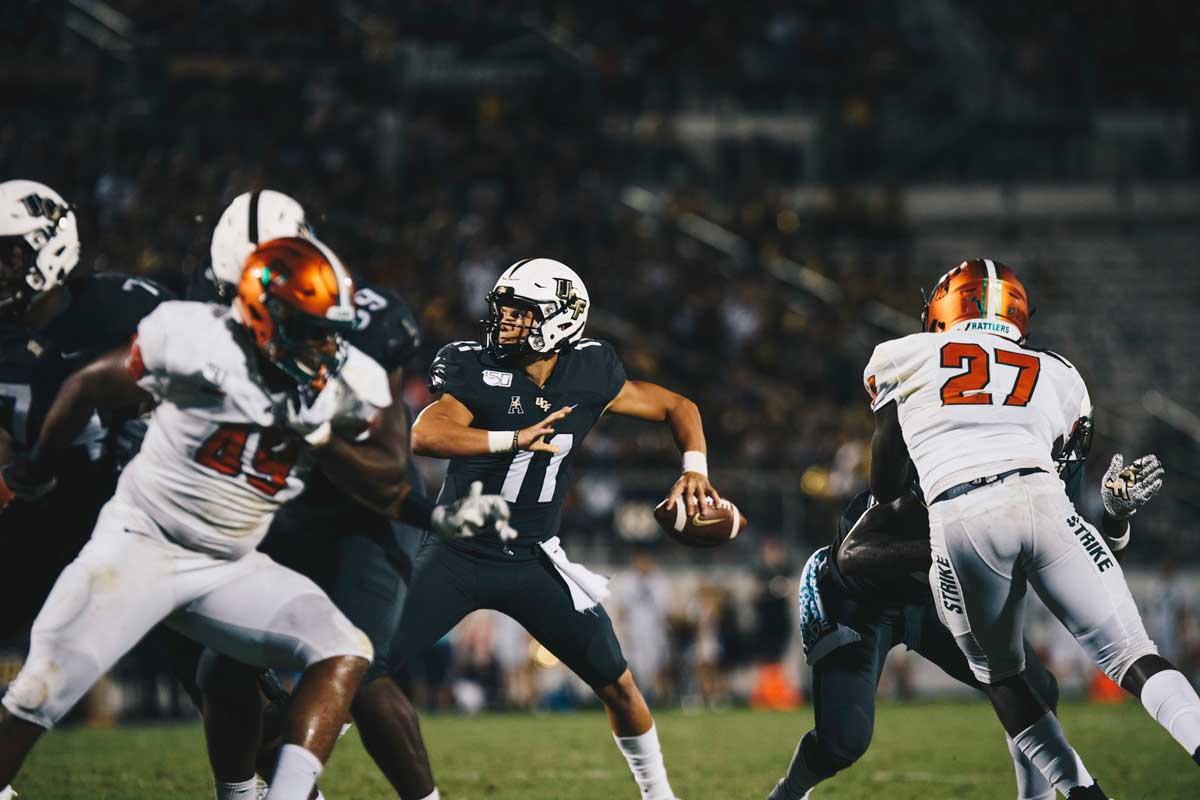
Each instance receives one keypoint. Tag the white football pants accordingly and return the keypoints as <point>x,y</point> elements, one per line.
<point>987,544</point>
<point>128,578</point>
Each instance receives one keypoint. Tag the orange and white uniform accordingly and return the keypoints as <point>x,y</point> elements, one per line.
<point>974,404</point>
<point>176,542</point>
<point>221,455</point>
<point>981,416</point>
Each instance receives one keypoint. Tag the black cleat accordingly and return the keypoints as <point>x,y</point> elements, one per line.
<point>1093,792</point>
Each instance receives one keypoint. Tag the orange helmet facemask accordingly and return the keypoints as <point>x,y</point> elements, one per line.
<point>982,296</point>
<point>298,301</point>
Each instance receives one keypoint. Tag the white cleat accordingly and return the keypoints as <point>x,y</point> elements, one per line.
<point>8,793</point>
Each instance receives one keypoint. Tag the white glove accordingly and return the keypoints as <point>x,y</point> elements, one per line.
<point>1125,489</point>
<point>476,513</point>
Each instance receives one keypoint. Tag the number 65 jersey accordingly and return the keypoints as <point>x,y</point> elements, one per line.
<point>975,404</point>
<point>221,453</point>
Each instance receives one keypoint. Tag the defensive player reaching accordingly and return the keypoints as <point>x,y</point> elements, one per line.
<point>866,593</point>
<point>852,614</point>
<point>494,421</point>
<point>979,415</point>
<point>248,400</point>
<point>351,550</point>
<point>54,320</point>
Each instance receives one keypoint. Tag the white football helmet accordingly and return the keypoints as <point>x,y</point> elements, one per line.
<point>251,218</point>
<point>39,241</point>
<point>556,296</point>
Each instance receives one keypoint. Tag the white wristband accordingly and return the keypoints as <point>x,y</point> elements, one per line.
<point>500,441</point>
<point>321,436</point>
<point>695,461</point>
<point>1117,545</point>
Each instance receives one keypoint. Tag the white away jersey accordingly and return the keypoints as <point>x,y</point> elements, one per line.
<point>219,455</point>
<point>975,404</point>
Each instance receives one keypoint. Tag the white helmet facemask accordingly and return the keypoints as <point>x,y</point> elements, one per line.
<point>39,238</point>
<point>555,295</point>
<point>252,218</point>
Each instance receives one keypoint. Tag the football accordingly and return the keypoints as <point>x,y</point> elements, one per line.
<point>713,525</point>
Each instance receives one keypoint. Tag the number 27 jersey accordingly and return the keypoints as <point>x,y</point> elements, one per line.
<point>975,404</point>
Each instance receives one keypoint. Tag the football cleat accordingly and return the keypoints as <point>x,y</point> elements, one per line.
<point>980,295</point>
<point>781,792</point>
<point>39,243</point>
<point>537,306</point>
<point>1093,792</point>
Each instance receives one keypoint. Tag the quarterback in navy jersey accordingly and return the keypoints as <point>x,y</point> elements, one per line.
<point>53,322</point>
<point>512,413</point>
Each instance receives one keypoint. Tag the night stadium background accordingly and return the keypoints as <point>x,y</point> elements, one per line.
<point>756,195</point>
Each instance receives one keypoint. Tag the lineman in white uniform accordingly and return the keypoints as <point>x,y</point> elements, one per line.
<point>244,400</point>
<point>981,415</point>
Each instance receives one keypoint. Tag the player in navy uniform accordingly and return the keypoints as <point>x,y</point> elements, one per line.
<point>53,322</point>
<point>859,599</point>
<point>495,423</point>
<point>359,557</point>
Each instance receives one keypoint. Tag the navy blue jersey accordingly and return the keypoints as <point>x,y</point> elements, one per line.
<point>588,376</point>
<point>203,286</point>
<point>102,313</point>
<point>385,330</point>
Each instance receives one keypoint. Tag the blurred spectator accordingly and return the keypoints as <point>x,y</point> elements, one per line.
<point>774,601</point>
<point>642,595</point>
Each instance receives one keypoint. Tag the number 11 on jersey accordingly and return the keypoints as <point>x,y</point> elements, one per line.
<point>519,469</point>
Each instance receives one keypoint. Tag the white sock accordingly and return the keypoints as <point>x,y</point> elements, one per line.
<point>1031,783</point>
<point>1045,745</point>
<point>1173,703</point>
<point>7,793</point>
<point>295,774</point>
<point>239,790</point>
<point>644,755</point>
<point>432,795</point>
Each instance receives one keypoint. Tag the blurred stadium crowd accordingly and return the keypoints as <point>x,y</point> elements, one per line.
<point>734,189</point>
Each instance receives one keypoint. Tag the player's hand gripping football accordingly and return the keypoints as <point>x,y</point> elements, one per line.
<point>1125,489</point>
<point>534,437</point>
<point>473,514</point>
<point>693,489</point>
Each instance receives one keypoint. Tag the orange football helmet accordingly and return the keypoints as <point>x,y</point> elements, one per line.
<point>298,300</point>
<point>978,295</point>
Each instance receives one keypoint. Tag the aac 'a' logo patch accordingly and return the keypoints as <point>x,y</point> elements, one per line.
<point>494,378</point>
<point>514,407</point>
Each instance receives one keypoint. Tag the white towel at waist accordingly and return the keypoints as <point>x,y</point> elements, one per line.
<point>587,588</point>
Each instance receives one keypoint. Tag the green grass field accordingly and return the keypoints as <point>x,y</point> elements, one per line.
<point>951,751</point>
